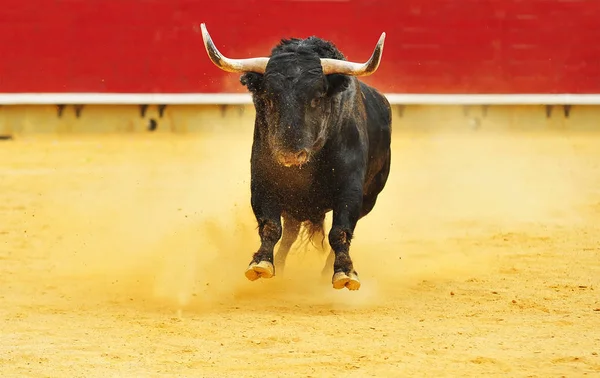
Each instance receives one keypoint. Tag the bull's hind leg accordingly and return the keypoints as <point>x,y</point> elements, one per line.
<point>291,229</point>
<point>328,268</point>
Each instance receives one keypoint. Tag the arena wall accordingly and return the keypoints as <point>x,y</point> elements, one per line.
<point>185,119</point>
<point>91,66</point>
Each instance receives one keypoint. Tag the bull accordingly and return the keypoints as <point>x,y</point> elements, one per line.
<point>321,143</point>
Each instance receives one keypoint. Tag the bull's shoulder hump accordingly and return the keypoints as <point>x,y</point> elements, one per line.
<point>373,97</point>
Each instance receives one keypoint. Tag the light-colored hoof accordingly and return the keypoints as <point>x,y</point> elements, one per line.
<point>341,280</point>
<point>262,269</point>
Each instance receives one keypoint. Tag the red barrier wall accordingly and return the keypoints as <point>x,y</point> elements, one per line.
<point>432,46</point>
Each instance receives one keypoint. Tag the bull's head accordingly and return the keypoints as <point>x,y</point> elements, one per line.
<point>295,91</point>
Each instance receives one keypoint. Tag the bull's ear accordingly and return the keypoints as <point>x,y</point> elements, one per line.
<point>252,81</point>
<point>337,83</point>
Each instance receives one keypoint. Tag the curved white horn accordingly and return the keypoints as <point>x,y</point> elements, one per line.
<point>335,66</point>
<point>231,65</point>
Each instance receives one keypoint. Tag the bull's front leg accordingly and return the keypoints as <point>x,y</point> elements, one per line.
<point>346,213</point>
<point>269,229</point>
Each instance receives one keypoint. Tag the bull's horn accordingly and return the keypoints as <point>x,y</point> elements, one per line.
<point>335,66</point>
<point>231,65</point>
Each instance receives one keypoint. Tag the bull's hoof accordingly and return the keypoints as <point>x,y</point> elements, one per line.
<point>262,269</point>
<point>341,280</point>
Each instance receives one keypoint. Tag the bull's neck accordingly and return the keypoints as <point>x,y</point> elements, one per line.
<point>343,106</point>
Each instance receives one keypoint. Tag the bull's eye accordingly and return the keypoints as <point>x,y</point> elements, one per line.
<point>315,102</point>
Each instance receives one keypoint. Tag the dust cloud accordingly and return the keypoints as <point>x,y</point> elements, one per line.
<point>179,232</point>
<point>165,235</point>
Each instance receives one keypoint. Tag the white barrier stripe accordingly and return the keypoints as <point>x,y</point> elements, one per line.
<point>243,99</point>
<point>494,99</point>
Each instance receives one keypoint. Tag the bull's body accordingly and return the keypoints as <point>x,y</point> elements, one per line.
<point>356,155</point>
<point>307,160</point>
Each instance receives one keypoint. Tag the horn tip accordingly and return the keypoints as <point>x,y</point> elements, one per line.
<point>205,35</point>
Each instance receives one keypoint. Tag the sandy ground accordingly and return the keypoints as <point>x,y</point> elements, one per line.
<point>124,256</point>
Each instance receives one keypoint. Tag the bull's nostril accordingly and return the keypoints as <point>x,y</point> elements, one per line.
<point>292,159</point>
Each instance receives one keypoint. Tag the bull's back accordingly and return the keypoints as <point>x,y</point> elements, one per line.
<point>379,130</point>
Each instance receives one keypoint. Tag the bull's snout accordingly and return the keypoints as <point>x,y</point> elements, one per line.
<point>289,159</point>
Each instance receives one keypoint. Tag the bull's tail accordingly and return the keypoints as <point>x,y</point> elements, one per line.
<point>312,233</point>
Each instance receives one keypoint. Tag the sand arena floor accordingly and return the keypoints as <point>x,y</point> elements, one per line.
<point>125,256</point>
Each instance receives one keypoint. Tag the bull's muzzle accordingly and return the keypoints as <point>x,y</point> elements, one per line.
<point>291,159</point>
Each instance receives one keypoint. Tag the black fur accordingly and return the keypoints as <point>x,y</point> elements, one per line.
<point>344,125</point>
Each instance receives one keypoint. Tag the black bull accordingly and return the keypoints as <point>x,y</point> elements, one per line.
<point>321,143</point>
